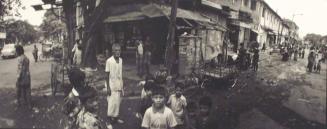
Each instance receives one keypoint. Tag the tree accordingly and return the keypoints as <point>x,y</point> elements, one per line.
<point>7,6</point>
<point>52,26</point>
<point>313,39</point>
<point>20,32</point>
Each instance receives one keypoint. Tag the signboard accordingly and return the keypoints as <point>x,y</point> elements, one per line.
<point>3,35</point>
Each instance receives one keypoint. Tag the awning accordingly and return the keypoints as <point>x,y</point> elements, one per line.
<point>211,4</point>
<point>144,11</point>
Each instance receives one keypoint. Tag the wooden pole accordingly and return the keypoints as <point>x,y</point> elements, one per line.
<point>170,52</point>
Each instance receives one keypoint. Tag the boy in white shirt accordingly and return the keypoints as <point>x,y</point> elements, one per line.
<point>177,103</point>
<point>158,116</point>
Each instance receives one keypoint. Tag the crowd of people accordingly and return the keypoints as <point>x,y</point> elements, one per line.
<point>162,104</point>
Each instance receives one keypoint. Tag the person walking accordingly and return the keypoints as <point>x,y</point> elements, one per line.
<point>311,59</point>
<point>296,53</point>
<point>35,52</point>
<point>114,84</point>
<point>255,60</point>
<point>23,83</point>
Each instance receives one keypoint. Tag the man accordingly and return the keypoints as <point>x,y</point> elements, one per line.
<point>114,83</point>
<point>23,83</point>
<point>147,54</point>
<point>139,58</point>
<point>35,51</point>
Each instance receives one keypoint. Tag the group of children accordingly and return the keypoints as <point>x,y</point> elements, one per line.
<point>163,109</point>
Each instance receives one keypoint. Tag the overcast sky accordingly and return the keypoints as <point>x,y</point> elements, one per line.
<point>312,20</point>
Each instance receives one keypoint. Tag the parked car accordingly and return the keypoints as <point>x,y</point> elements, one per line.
<point>8,50</point>
<point>274,49</point>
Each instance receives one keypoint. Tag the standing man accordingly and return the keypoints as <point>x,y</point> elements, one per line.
<point>35,51</point>
<point>147,54</point>
<point>114,83</point>
<point>23,83</point>
<point>139,58</point>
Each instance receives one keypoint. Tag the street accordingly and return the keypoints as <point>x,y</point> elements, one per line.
<point>280,95</point>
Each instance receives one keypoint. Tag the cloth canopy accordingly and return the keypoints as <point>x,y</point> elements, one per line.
<point>143,11</point>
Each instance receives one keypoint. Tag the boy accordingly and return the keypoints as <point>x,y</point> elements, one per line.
<point>146,100</point>
<point>177,103</point>
<point>158,116</point>
<point>205,119</point>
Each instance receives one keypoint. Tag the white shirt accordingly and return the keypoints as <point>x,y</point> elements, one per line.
<point>140,49</point>
<point>115,76</point>
<point>177,106</point>
<point>159,120</point>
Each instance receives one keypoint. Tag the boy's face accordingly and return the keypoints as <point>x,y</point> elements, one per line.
<point>204,110</point>
<point>178,92</point>
<point>158,101</point>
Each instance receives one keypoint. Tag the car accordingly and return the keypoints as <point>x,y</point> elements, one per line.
<point>8,50</point>
<point>274,49</point>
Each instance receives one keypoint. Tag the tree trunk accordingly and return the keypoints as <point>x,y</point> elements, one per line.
<point>170,55</point>
<point>93,18</point>
<point>68,6</point>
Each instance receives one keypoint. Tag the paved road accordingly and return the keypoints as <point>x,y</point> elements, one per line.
<point>39,71</point>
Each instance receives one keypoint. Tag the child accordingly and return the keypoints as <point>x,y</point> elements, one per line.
<point>148,78</point>
<point>161,75</point>
<point>177,103</point>
<point>146,100</point>
<point>158,116</point>
<point>205,119</point>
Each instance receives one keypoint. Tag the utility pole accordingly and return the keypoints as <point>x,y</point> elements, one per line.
<point>170,55</point>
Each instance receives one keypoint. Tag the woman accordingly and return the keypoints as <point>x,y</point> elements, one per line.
<point>23,83</point>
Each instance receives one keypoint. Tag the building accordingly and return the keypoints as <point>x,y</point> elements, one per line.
<point>126,21</point>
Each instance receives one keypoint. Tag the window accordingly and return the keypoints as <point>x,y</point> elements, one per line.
<point>245,3</point>
<point>253,4</point>
<point>263,12</point>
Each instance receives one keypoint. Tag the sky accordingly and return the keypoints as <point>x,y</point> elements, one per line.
<point>309,14</point>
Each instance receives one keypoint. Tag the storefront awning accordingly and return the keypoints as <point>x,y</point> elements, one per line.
<point>211,4</point>
<point>144,11</point>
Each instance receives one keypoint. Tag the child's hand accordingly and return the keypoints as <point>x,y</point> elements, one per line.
<point>138,115</point>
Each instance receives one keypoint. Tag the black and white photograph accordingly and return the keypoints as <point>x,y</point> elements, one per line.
<point>163,64</point>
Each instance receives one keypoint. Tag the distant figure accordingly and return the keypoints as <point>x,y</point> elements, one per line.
<point>77,59</point>
<point>296,53</point>
<point>140,58</point>
<point>23,83</point>
<point>35,53</point>
<point>311,60</point>
<point>264,47</point>
<point>255,60</point>
<point>147,54</point>
<point>303,53</point>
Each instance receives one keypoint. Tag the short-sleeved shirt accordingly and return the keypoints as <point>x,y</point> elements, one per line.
<point>115,76</point>
<point>23,70</point>
<point>177,106</point>
<point>164,119</point>
<point>140,49</point>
